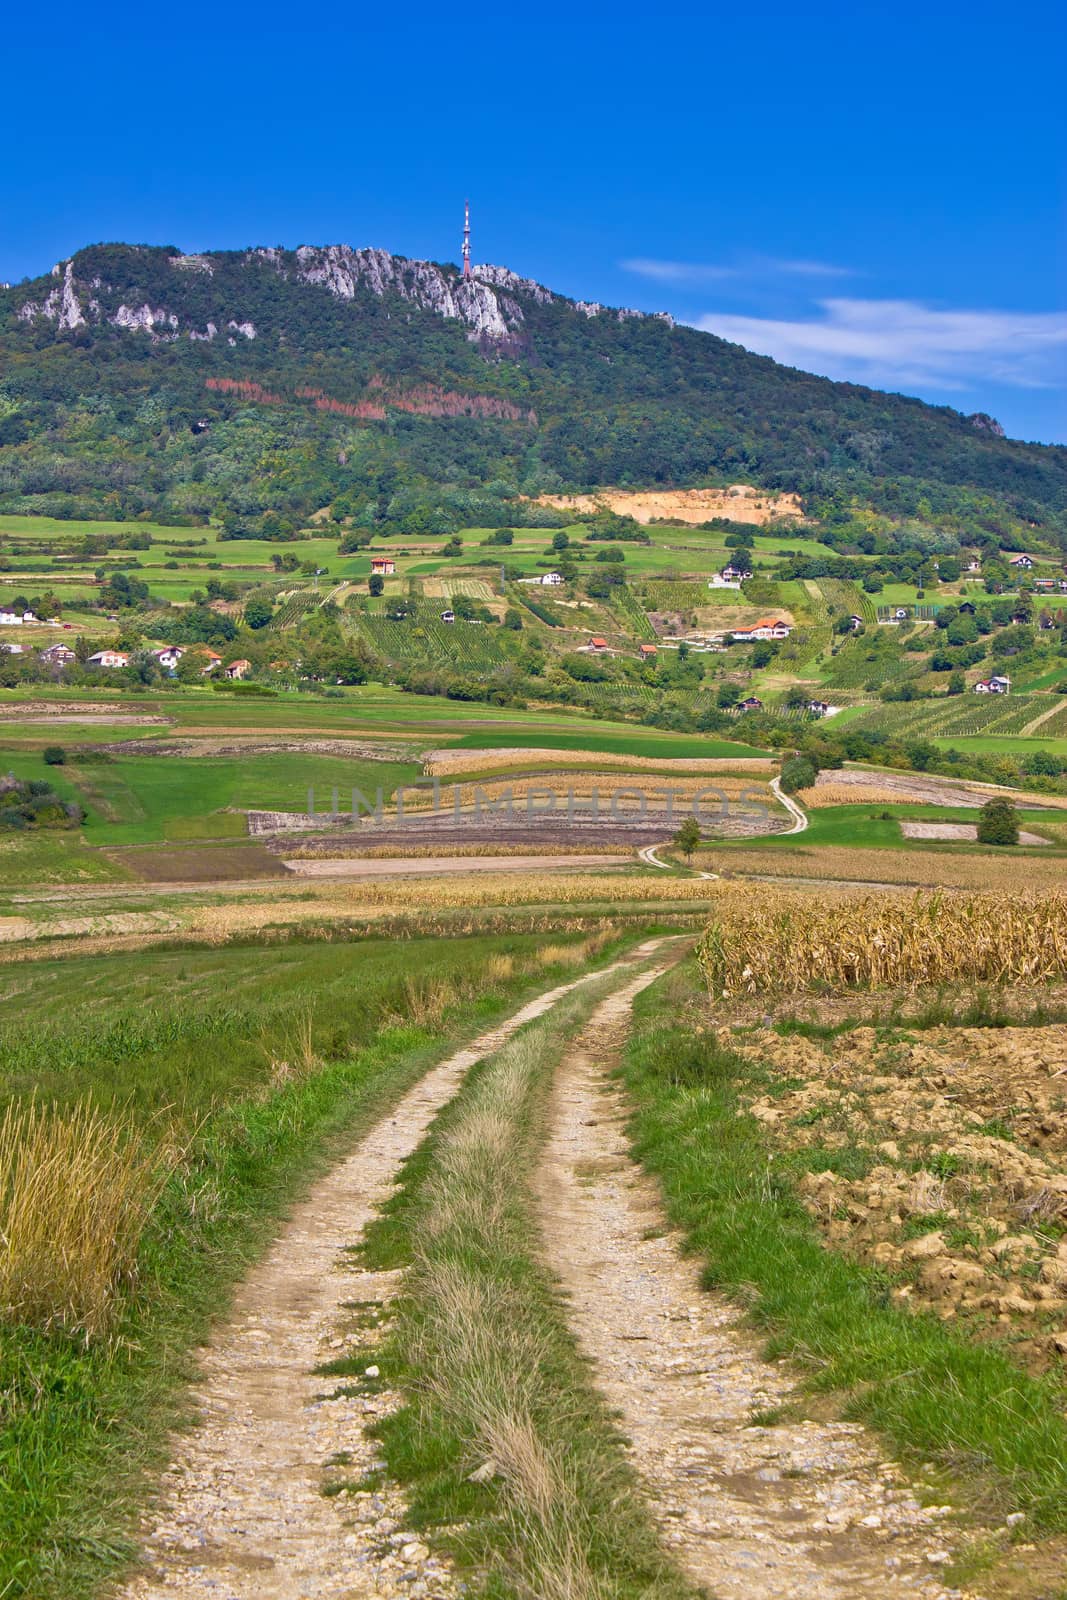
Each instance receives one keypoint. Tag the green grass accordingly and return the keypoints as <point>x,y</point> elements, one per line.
<point>82,1426</point>
<point>876,825</point>
<point>935,1395</point>
<point>147,799</point>
<point>482,1349</point>
<point>49,857</point>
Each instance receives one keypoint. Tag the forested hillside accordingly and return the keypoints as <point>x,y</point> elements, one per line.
<point>137,380</point>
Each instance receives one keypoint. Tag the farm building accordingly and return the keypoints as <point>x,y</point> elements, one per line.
<point>547,581</point>
<point>448,616</point>
<point>765,628</point>
<point>598,642</point>
<point>382,566</point>
<point>647,650</point>
<point>994,685</point>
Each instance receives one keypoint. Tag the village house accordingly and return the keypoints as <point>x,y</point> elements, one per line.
<point>169,656</point>
<point>212,659</point>
<point>765,628</point>
<point>818,708</point>
<point>974,565</point>
<point>548,580</point>
<point>239,669</point>
<point>15,619</point>
<point>382,566</point>
<point>598,642</point>
<point>448,616</point>
<point>968,610</point>
<point>1023,563</point>
<point>750,704</point>
<point>108,658</point>
<point>994,685</point>
<point>58,654</point>
<point>647,650</point>
<point>855,623</point>
<point>731,574</point>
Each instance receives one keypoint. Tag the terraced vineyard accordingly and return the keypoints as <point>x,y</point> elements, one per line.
<point>632,614</point>
<point>424,637</point>
<point>295,606</point>
<point>961,716</point>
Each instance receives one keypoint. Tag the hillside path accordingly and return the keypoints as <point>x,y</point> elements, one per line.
<point>242,1514</point>
<point>791,1511</point>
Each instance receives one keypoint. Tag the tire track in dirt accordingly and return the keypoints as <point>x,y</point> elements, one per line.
<point>242,1515</point>
<point>794,1511</point>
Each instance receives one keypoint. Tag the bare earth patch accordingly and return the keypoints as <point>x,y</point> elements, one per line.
<point>438,866</point>
<point>791,1511</point>
<point>740,502</point>
<point>964,1197</point>
<point>957,830</point>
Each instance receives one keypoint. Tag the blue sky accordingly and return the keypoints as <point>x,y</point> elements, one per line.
<point>875,191</point>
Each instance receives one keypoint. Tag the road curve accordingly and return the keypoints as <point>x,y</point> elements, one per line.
<point>800,817</point>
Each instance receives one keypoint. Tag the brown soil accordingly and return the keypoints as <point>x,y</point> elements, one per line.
<point>965,1196</point>
<point>926,789</point>
<point>957,830</point>
<point>740,502</point>
<point>198,863</point>
<point>439,866</point>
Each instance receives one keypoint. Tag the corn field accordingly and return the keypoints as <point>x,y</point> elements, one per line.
<point>776,943</point>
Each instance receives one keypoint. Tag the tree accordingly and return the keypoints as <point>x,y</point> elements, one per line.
<point>998,822</point>
<point>376,583</point>
<point>797,773</point>
<point>688,837</point>
<point>560,540</point>
<point>729,694</point>
<point>258,613</point>
<point>54,755</point>
<point>512,620</point>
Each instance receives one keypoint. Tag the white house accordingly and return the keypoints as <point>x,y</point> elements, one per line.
<point>732,574</point>
<point>239,669</point>
<point>974,565</point>
<point>1022,562</point>
<point>994,685</point>
<point>58,654</point>
<point>549,580</point>
<point>382,566</point>
<point>108,658</point>
<point>15,619</point>
<point>169,656</point>
<point>765,628</point>
<point>448,616</point>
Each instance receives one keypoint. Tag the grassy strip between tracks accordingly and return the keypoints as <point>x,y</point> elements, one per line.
<point>936,1395</point>
<point>84,1422</point>
<point>505,1446</point>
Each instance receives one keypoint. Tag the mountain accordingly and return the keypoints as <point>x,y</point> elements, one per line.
<point>137,379</point>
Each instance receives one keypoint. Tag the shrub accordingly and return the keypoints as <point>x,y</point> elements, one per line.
<point>54,755</point>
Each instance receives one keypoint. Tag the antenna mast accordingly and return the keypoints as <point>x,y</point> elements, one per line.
<point>466,238</point>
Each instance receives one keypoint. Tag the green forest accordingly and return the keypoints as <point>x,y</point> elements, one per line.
<point>394,416</point>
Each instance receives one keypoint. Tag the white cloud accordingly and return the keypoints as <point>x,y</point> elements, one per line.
<point>903,342</point>
<point>696,272</point>
<point>677,271</point>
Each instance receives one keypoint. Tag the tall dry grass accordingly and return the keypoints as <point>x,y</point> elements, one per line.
<point>76,1190</point>
<point>775,942</point>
